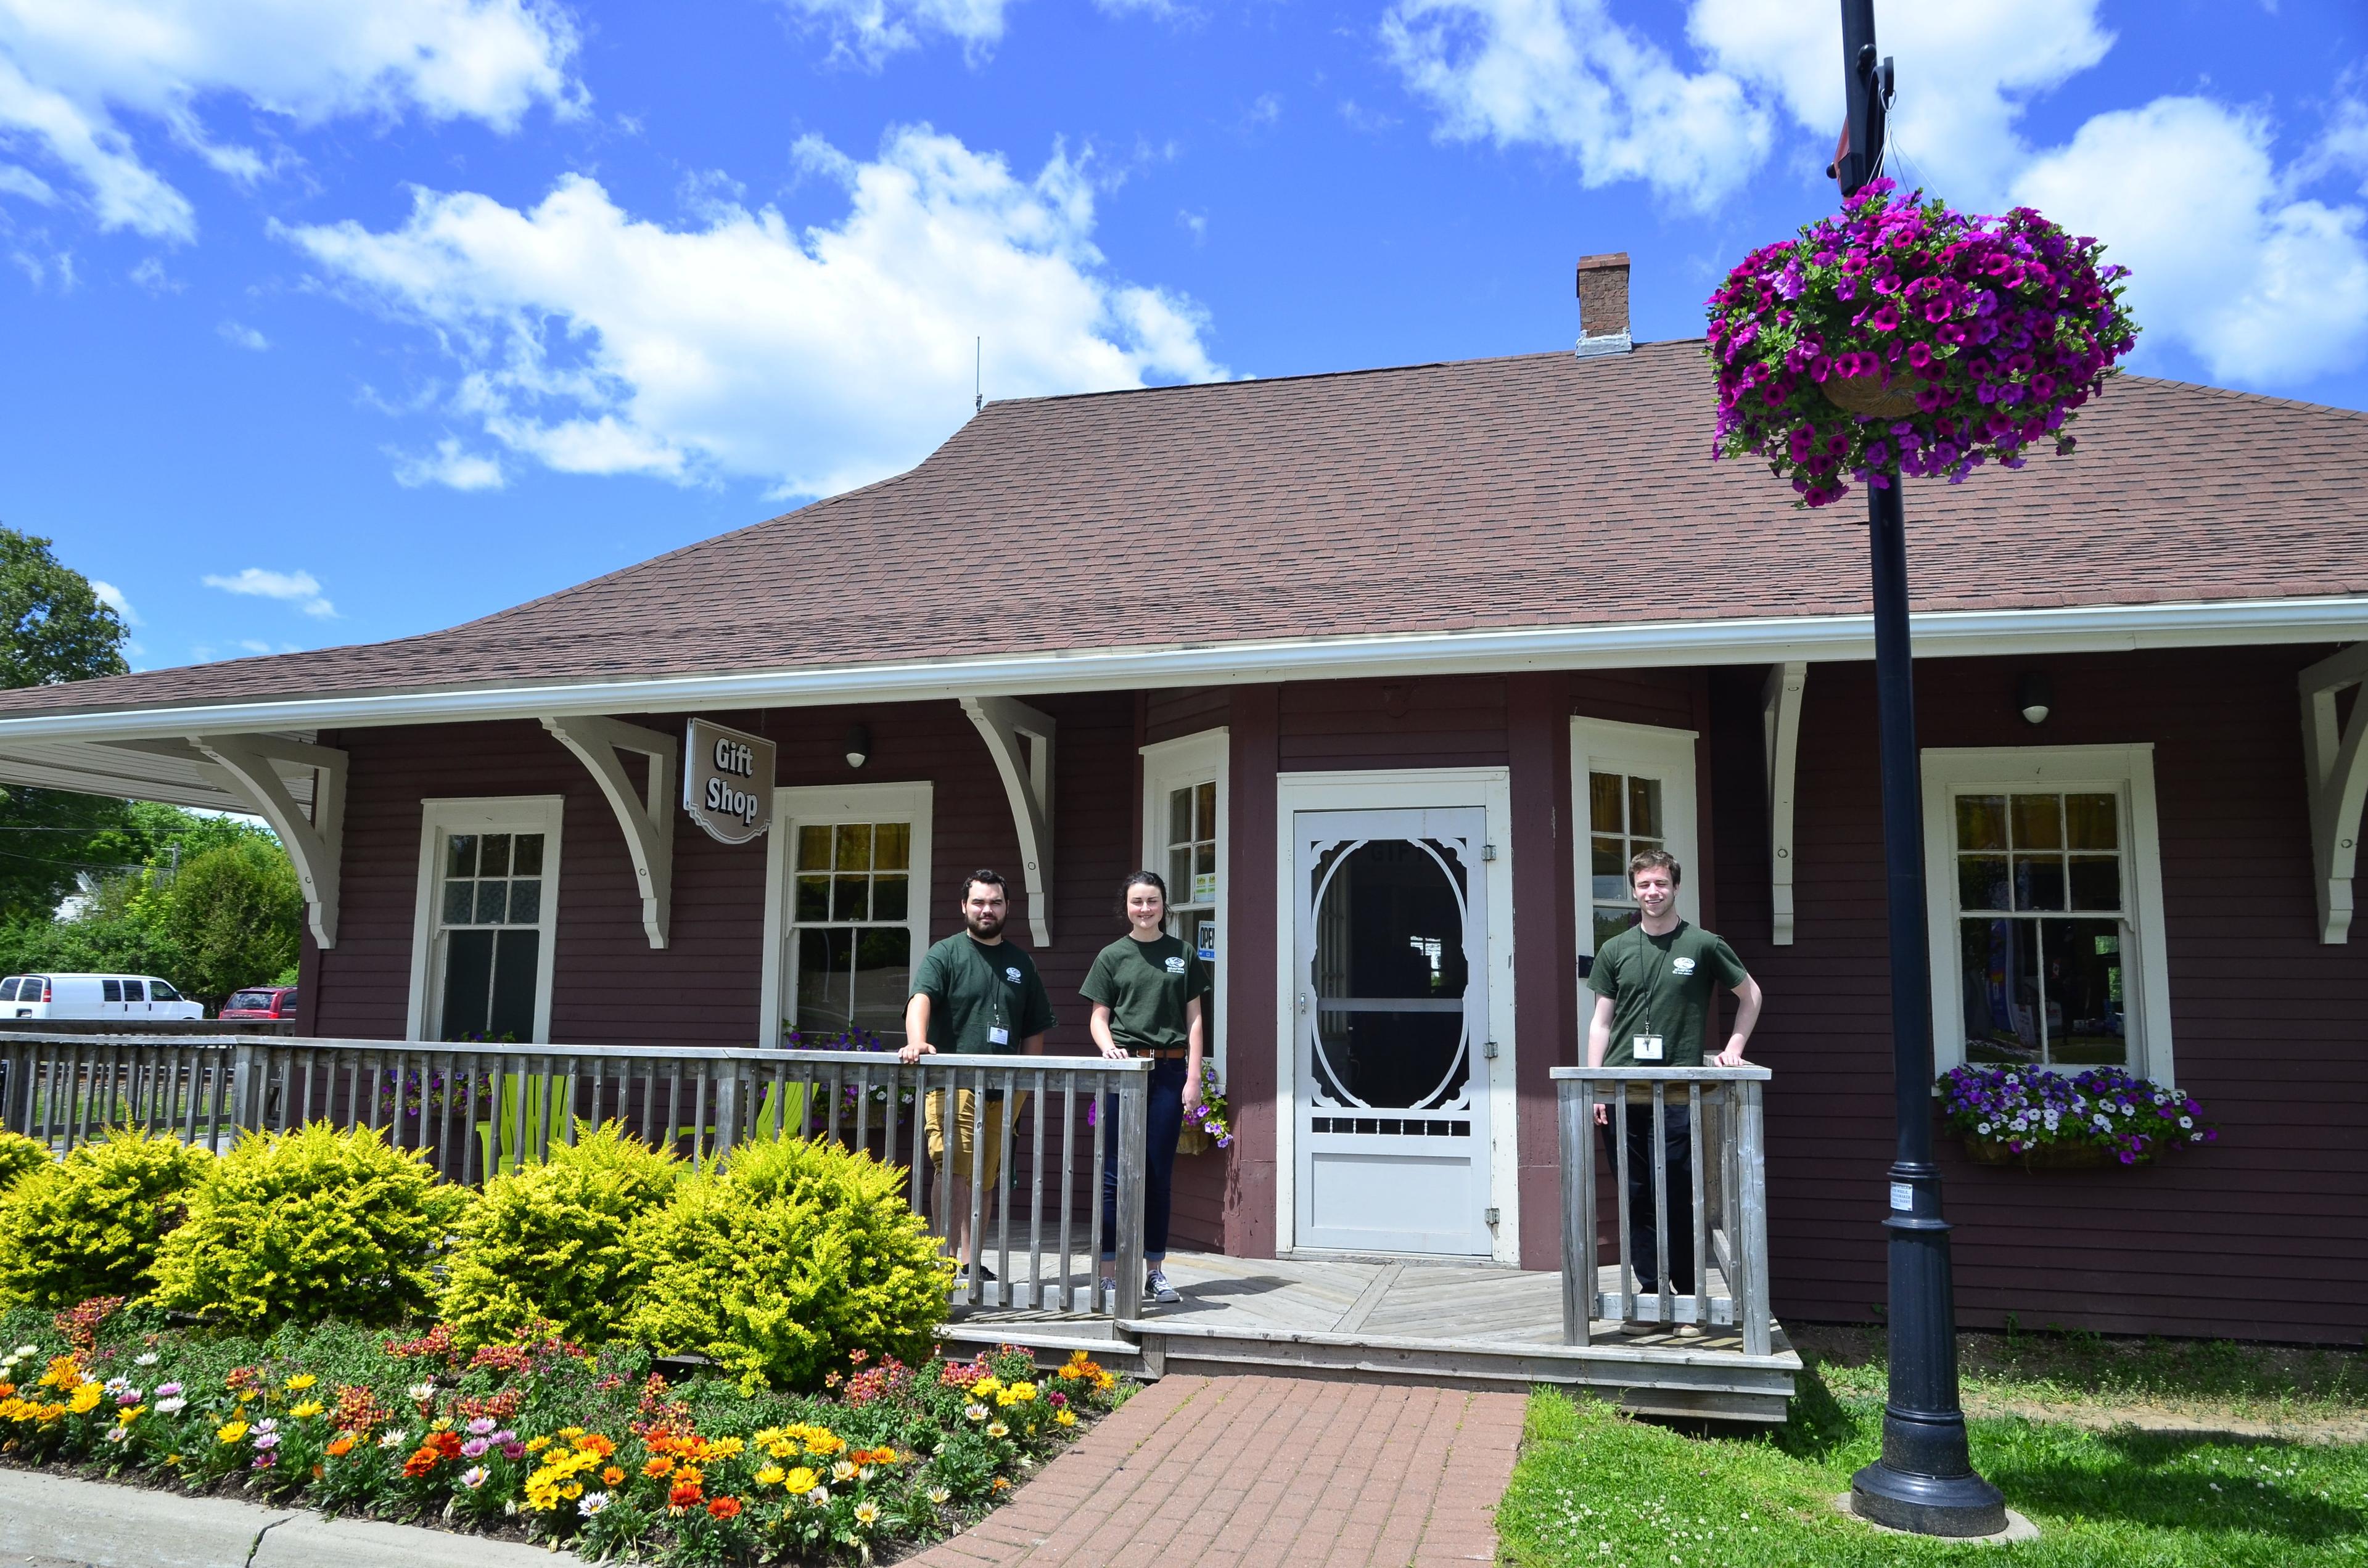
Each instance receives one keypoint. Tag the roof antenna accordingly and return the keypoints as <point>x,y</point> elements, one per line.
<point>978,374</point>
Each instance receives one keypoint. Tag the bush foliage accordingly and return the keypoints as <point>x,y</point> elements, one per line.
<point>310,1224</point>
<point>547,1245</point>
<point>91,1223</point>
<point>18,1154</point>
<point>793,1256</point>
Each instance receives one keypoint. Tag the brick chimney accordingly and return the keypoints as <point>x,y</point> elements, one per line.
<point>1603,305</point>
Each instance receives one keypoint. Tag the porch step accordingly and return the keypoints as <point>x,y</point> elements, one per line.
<point>1052,1342</point>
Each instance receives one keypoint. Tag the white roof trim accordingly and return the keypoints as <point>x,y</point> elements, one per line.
<point>1632,645</point>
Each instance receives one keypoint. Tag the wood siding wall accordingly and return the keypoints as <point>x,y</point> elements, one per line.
<point>2263,1236</point>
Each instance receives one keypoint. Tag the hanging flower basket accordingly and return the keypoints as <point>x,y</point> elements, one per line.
<point>1901,337</point>
<point>2044,1121</point>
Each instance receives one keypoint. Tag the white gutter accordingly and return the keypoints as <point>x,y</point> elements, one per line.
<point>1646,645</point>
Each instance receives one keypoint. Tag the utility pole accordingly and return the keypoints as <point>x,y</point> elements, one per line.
<point>1925,1479</point>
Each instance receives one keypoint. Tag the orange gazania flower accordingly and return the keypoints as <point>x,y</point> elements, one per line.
<point>684,1494</point>
<point>593,1443</point>
<point>342,1445</point>
<point>659,1466</point>
<point>725,1507</point>
<point>610,1476</point>
<point>688,1476</point>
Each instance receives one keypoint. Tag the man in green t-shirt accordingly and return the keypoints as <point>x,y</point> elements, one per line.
<point>1652,985</point>
<point>975,994</point>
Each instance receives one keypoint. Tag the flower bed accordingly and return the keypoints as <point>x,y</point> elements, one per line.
<point>541,1440</point>
<point>2040,1118</point>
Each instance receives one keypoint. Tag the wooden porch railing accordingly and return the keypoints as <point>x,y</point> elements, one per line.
<point>478,1111</point>
<point>1729,1197</point>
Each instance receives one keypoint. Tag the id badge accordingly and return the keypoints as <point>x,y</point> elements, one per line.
<point>1647,1048</point>
<point>997,1035</point>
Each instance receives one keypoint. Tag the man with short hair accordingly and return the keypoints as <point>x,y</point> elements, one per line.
<point>1652,985</point>
<point>974,994</point>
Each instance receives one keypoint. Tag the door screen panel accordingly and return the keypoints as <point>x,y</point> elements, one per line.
<point>1390,978</point>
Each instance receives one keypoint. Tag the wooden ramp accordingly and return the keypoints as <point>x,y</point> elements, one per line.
<point>1409,1321</point>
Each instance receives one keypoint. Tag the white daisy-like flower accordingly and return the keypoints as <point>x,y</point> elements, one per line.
<point>594,1504</point>
<point>394,1438</point>
<point>173,1407</point>
<point>423,1392</point>
<point>148,1360</point>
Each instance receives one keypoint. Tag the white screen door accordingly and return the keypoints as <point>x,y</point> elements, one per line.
<point>1391,1008</point>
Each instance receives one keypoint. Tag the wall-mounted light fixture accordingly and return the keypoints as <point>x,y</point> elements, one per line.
<point>858,745</point>
<point>2033,695</point>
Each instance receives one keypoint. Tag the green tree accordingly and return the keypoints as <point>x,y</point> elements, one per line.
<point>53,628</point>
<point>233,916</point>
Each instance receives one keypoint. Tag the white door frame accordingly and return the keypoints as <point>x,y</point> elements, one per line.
<point>1491,791</point>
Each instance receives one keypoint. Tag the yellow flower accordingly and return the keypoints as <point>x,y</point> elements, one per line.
<point>725,1448</point>
<point>771,1475</point>
<point>307,1409</point>
<point>997,1429</point>
<point>782,1449</point>
<point>867,1514</point>
<point>536,1444</point>
<point>766,1437</point>
<point>128,1415</point>
<point>1024,1392</point>
<point>801,1480</point>
<point>230,1431</point>
<point>1066,1418</point>
<point>85,1398</point>
<point>300,1382</point>
<point>985,1385</point>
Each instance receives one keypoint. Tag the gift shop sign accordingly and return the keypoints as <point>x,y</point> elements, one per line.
<point>727,781</point>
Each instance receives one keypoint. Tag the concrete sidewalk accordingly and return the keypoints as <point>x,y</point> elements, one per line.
<point>55,1522</point>
<point>1263,1472</point>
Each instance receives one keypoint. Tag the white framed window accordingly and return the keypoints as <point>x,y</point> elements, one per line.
<point>2044,871</point>
<point>846,915</point>
<point>1184,805</point>
<point>488,912</point>
<point>1632,789</point>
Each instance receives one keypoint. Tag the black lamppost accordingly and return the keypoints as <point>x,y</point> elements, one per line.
<point>1925,1480</point>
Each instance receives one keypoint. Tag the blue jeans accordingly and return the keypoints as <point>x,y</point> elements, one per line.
<point>1164,1118</point>
<point>1677,1143</point>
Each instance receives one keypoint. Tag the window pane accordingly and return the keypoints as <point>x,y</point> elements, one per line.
<point>526,901</point>
<point>1609,923</point>
<point>891,847</point>
<point>855,846</point>
<point>1179,816</point>
<point>884,973</point>
<point>468,983</point>
<point>813,849</point>
<point>824,962</point>
<point>160,992</point>
<point>1644,807</point>
<point>1981,822</point>
<point>1180,869</point>
<point>512,1013</point>
<point>110,991</point>
<point>1603,812</point>
<point>526,854</point>
<point>850,898</point>
<point>2039,821</point>
<point>2039,881</point>
<point>1609,866</point>
<point>134,991</point>
<point>888,898</point>
<point>1982,881</point>
<point>460,854</point>
<point>2095,881</point>
<point>2001,988</point>
<point>1204,863</point>
<point>2092,822</point>
<point>2085,1022</point>
<point>460,903</point>
<point>1204,811</point>
<point>494,855</point>
<point>813,898</point>
<point>8,989</point>
<point>493,902</point>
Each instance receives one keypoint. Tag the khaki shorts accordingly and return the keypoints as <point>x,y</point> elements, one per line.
<point>989,1125</point>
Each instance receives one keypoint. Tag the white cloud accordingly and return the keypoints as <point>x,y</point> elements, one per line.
<point>71,71</point>
<point>239,336</point>
<point>151,275</point>
<point>595,342</point>
<point>869,31</point>
<point>255,645</point>
<point>299,587</point>
<point>112,598</point>
<point>2262,286</point>
<point>450,465</point>
<point>17,180</point>
<point>1562,74</point>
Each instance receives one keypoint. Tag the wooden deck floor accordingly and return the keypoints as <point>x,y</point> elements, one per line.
<point>1411,1321</point>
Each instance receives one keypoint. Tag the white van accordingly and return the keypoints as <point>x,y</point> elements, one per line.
<point>129,996</point>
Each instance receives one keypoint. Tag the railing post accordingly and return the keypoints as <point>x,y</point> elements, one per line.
<point>248,1069</point>
<point>16,1089</point>
<point>727,1109</point>
<point>1133,1107</point>
<point>1751,1302</point>
<point>1578,1288</point>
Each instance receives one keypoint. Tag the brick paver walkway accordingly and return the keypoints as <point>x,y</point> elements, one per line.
<point>1248,1472</point>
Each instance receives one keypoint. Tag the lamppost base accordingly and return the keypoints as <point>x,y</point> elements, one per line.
<point>1951,1505</point>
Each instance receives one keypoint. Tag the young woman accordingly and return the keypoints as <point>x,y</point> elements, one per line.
<point>1146,989</point>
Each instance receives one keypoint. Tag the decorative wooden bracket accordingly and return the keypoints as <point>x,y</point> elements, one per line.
<point>314,842</point>
<point>2336,759</point>
<point>648,824</point>
<point>1780,723</point>
<point>1008,726</point>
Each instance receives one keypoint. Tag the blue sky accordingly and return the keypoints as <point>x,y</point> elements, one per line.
<point>327,322</point>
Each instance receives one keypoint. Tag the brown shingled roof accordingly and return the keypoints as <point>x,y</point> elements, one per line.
<point>1537,491</point>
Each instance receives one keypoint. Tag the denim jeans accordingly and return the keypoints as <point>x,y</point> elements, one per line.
<point>1677,1143</point>
<point>1165,1120</point>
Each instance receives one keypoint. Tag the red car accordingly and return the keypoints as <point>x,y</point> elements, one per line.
<point>261,1002</point>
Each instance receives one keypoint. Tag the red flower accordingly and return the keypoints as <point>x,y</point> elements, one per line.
<point>725,1507</point>
<point>685,1495</point>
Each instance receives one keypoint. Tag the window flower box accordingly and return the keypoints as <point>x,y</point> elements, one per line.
<point>2042,1120</point>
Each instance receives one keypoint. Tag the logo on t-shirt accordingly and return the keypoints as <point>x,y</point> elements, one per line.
<point>1175,966</point>
<point>1682,966</point>
<point>1012,975</point>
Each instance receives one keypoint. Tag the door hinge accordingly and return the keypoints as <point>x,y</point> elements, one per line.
<point>1491,1214</point>
<point>1487,852</point>
<point>1489,1050</point>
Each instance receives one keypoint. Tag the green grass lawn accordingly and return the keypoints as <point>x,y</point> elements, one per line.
<point>1602,1489</point>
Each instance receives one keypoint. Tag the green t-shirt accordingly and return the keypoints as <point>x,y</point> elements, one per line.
<point>1146,986</point>
<point>1661,986</point>
<point>974,988</point>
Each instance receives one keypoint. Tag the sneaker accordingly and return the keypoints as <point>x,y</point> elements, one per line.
<point>1156,1288</point>
<point>984,1273</point>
